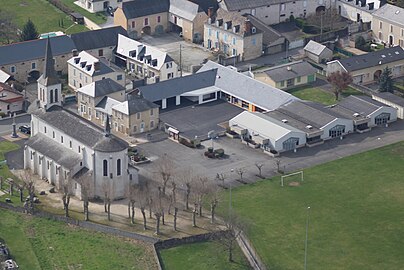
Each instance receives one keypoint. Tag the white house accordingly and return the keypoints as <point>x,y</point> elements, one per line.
<point>317,52</point>
<point>146,61</point>
<point>356,10</point>
<point>65,148</point>
<point>94,6</point>
<point>391,100</point>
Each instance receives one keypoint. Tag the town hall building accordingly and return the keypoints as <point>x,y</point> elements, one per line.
<point>66,148</point>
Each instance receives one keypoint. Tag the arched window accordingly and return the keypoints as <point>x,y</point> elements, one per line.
<point>51,96</point>
<point>105,167</point>
<point>56,95</point>
<point>118,167</point>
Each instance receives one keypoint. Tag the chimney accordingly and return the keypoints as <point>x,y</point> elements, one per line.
<point>210,12</point>
<point>97,65</point>
<point>75,52</point>
<point>247,26</point>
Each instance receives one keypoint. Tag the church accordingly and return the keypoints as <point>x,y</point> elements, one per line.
<point>65,148</point>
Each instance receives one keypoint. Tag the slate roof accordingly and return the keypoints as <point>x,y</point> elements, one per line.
<point>234,5</point>
<point>140,8</point>
<point>391,98</point>
<point>246,88</point>
<point>372,59</point>
<point>80,129</point>
<point>290,71</point>
<point>269,35</point>
<point>363,105</point>
<point>53,150</point>
<point>101,88</point>
<point>89,60</point>
<point>314,47</point>
<point>206,4</point>
<point>391,13</point>
<point>177,86</point>
<point>34,49</point>
<point>106,104</point>
<point>184,9</point>
<point>134,105</point>
<point>48,76</point>
<point>106,37</point>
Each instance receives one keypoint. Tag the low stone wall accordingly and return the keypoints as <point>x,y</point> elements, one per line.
<point>90,24</point>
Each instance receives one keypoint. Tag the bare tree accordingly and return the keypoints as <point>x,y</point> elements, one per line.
<point>84,181</point>
<point>201,191</point>
<point>29,184</point>
<point>278,165</point>
<point>131,195</point>
<point>340,81</point>
<point>143,200</point>
<point>21,191</point>
<point>259,167</point>
<point>240,172</point>
<point>229,235</point>
<point>165,167</point>
<point>67,187</point>
<point>214,200</point>
<point>186,178</point>
<point>109,190</point>
<point>176,207</point>
<point>220,177</point>
<point>156,206</point>
<point>8,30</point>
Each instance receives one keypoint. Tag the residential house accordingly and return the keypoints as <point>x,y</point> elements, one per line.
<point>11,101</point>
<point>233,35</point>
<point>358,11</point>
<point>85,69</point>
<point>317,52</point>
<point>144,61</point>
<point>90,95</point>
<point>140,17</point>
<point>287,75</point>
<point>391,100</point>
<point>94,6</point>
<point>388,25</point>
<point>187,18</point>
<point>135,116</point>
<point>99,43</point>
<point>273,12</point>
<point>367,68</point>
<point>24,61</point>
<point>269,133</point>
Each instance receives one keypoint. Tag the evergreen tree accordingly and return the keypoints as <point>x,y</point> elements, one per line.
<point>386,81</point>
<point>29,31</point>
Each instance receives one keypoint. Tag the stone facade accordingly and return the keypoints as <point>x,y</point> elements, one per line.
<point>388,32</point>
<point>136,123</point>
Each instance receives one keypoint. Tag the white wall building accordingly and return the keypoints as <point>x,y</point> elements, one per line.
<point>356,10</point>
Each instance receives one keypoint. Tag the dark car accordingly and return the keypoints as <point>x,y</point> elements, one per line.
<point>25,129</point>
<point>110,11</point>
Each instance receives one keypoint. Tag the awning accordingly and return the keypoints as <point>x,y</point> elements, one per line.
<point>173,130</point>
<point>259,139</point>
<point>239,130</point>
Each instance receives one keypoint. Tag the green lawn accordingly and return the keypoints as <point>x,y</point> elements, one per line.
<point>6,146</point>
<point>44,244</point>
<point>356,216</point>
<point>313,94</point>
<point>202,256</point>
<point>45,16</point>
<point>351,91</point>
<point>98,18</point>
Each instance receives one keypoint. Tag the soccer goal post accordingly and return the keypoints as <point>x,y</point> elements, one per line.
<point>292,174</point>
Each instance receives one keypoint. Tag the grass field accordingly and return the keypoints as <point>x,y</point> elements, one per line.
<point>6,146</point>
<point>356,215</point>
<point>44,244</point>
<point>98,18</point>
<point>313,94</point>
<point>45,16</point>
<point>202,256</point>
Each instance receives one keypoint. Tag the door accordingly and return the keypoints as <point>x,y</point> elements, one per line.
<point>310,78</point>
<point>141,127</point>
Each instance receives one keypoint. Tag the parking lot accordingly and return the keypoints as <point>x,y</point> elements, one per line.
<point>192,54</point>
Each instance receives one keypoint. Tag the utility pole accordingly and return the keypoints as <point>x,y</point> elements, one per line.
<point>321,26</point>
<point>180,60</point>
<point>305,243</point>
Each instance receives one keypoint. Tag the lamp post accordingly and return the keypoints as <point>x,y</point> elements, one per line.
<point>230,201</point>
<point>305,243</point>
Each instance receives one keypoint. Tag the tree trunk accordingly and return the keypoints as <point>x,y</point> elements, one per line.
<point>200,209</point>
<point>157,232</point>
<point>194,216</point>
<point>144,218</point>
<point>1,182</point>
<point>150,208</point>
<point>21,194</point>
<point>231,252</point>
<point>133,212</point>
<point>187,201</point>
<point>212,212</point>
<point>85,206</point>
<point>129,208</point>
<point>66,201</point>
<point>162,217</point>
<point>11,189</point>
<point>105,205</point>
<point>109,210</point>
<point>175,218</point>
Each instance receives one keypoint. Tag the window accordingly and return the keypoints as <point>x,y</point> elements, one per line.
<point>74,72</point>
<point>70,144</point>
<point>170,75</point>
<point>380,25</point>
<point>382,119</point>
<point>337,131</point>
<point>61,139</point>
<point>101,52</point>
<point>391,29</point>
<point>217,34</point>
<point>158,19</point>
<point>53,134</point>
<point>133,24</point>
<point>298,79</point>
<point>13,69</point>
<point>105,167</point>
<point>169,65</point>
<point>31,155</point>
<point>48,165</point>
<point>33,65</point>
<point>283,7</point>
<point>79,149</point>
<point>151,112</point>
<point>51,96</point>
<point>151,124</point>
<point>209,31</point>
<point>234,51</point>
<point>118,167</point>
<point>134,128</point>
<point>44,129</point>
<point>402,32</point>
<point>282,83</point>
<point>97,114</point>
<point>254,41</point>
<point>138,115</point>
<point>56,96</point>
<point>119,77</point>
<point>146,21</point>
<point>234,41</point>
<point>304,3</point>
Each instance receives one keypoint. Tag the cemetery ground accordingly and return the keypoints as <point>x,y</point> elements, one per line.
<point>355,219</point>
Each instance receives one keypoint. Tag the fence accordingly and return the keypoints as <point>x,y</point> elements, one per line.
<point>328,35</point>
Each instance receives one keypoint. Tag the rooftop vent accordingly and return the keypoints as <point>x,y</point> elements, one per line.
<point>284,120</point>
<point>289,68</point>
<point>356,115</point>
<point>309,127</point>
<point>383,56</point>
<point>397,11</point>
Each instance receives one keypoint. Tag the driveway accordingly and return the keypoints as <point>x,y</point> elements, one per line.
<point>192,54</point>
<point>242,156</point>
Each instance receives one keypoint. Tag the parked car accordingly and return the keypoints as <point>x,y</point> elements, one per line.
<point>25,129</point>
<point>110,11</point>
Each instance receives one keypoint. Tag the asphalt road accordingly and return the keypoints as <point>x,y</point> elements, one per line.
<point>6,124</point>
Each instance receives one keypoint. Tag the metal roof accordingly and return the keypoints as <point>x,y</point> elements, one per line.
<point>391,13</point>
<point>134,105</point>
<point>184,9</point>
<point>101,88</point>
<point>290,71</point>
<point>390,98</point>
<point>140,8</point>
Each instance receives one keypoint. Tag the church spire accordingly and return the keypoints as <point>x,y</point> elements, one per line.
<point>49,74</point>
<point>107,129</point>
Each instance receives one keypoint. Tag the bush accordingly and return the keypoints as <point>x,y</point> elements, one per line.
<point>359,42</point>
<point>186,143</point>
<point>311,29</point>
<point>2,114</point>
<point>299,22</point>
<point>209,154</point>
<point>219,153</point>
<point>210,149</point>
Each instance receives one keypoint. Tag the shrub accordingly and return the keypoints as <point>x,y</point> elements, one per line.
<point>210,149</point>
<point>186,143</point>
<point>299,22</point>
<point>2,114</point>
<point>219,153</point>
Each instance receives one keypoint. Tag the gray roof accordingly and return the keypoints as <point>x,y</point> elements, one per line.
<point>134,105</point>
<point>48,76</point>
<point>290,71</point>
<point>308,112</point>
<point>296,123</point>
<point>247,88</point>
<point>363,105</point>
<point>391,98</point>
<point>372,59</point>
<point>101,88</point>
<point>106,104</point>
<point>391,13</point>
<point>234,5</point>
<point>184,9</point>
<point>106,37</point>
<point>53,150</point>
<point>177,86</point>
<point>315,47</point>
<point>81,129</point>
<point>140,8</point>
<point>269,35</point>
<point>206,4</point>
<point>34,49</point>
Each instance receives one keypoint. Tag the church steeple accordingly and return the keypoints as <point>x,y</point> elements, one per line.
<point>49,86</point>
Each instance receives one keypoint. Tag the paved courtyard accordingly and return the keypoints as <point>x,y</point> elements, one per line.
<point>192,54</point>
